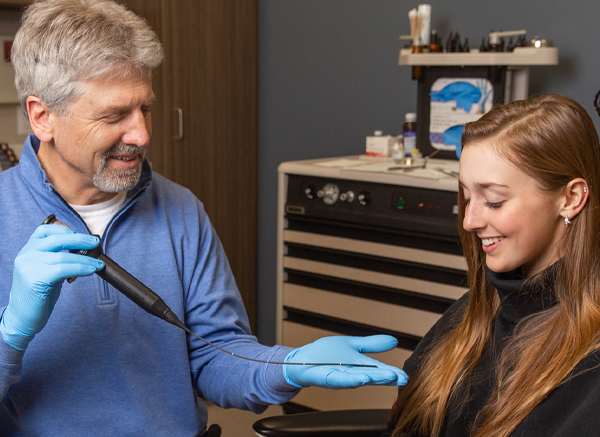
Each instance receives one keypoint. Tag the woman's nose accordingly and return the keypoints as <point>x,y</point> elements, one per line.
<point>473,219</point>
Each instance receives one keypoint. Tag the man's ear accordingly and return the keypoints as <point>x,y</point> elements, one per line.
<point>576,196</point>
<point>40,119</point>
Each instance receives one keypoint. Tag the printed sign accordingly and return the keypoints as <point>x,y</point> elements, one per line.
<point>454,102</point>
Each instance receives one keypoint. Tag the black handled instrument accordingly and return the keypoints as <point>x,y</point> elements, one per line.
<point>145,298</point>
<point>123,281</point>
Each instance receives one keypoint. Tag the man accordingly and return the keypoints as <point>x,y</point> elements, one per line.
<point>91,362</point>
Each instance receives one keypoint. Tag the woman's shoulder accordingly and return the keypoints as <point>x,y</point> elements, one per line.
<point>571,409</point>
<point>445,324</point>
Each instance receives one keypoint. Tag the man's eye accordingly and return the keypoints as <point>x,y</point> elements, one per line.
<point>114,118</point>
<point>493,205</point>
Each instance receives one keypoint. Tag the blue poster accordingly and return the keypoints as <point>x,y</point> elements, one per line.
<point>454,102</point>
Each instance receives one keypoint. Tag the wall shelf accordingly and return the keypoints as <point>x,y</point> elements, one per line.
<point>521,56</point>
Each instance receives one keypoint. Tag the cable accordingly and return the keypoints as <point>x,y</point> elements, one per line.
<point>152,303</point>
<point>172,318</point>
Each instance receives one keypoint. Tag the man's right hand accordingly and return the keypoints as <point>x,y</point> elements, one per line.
<point>39,271</point>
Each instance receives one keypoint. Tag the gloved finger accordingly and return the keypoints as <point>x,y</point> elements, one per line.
<point>383,373</point>
<point>374,343</point>
<point>341,379</point>
<point>60,272</point>
<point>62,241</point>
<point>364,359</point>
<point>43,231</point>
<point>58,266</point>
<point>59,258</point>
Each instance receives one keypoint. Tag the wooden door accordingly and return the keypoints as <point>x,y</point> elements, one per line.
<point>17,4</point>
<point>209,78</point>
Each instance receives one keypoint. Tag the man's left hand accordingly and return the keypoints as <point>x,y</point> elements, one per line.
<point>346,350</point>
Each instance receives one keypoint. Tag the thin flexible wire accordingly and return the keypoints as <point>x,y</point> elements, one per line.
<point>273,362</point>
<point>170,317</point>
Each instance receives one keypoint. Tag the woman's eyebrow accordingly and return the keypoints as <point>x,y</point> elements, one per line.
<point>485,185</point>
<point>491,185</point>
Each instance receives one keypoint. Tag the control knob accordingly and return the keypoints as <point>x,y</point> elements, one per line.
<point>348,196</point>
<point>364,198</point>
<point>310,192</point>
<point>330,194</point>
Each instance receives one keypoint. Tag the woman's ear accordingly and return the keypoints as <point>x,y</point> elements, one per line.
<point>576,196</point>
<point>39,119</point>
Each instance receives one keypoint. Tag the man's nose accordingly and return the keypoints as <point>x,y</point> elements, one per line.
<point>139,130</point>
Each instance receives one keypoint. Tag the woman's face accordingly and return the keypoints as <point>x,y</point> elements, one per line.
<point>518,224</point>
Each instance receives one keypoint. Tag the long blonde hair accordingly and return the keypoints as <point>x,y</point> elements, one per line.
<point>552,139</point>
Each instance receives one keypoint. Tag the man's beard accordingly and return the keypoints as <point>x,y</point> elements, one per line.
<point>115,181</point>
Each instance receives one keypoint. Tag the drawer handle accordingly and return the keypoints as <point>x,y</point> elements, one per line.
<point>179,135</point>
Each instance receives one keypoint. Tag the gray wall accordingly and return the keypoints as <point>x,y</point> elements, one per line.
<point>329,76</point>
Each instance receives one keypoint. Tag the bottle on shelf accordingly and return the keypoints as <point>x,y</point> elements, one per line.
<point>496,43</point>
<point>434,46</point>
<point>483,46</point>
<point>466,48</point>
<point>409,133</point>
<point>417,70</point>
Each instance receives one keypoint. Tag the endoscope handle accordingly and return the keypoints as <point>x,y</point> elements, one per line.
<point>119,278</point>
<point>123,281</point>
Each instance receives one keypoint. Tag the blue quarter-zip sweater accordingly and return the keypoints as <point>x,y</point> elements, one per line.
<point>104,367</point>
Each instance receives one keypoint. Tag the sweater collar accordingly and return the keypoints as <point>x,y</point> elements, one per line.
<point>29,165</point>
<point>520,297</point>
<point>32,171</point>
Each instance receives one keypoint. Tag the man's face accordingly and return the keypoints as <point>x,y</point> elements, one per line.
<point>100,144</point>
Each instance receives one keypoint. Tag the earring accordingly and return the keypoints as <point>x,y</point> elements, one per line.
<point>585,189</point>
<point>567,222</point>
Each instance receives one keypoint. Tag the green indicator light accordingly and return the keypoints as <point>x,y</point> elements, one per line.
<point>400,203</point>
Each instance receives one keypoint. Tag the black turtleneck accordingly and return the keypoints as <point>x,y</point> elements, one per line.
<point>572,409</point>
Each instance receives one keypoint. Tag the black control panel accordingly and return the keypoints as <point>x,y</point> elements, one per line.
<point>391,206</point>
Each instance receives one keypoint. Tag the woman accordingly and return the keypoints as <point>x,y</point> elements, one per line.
<point>518,355</point>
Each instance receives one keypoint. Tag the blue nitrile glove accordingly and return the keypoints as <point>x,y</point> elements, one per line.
<point>339,349</point>
<point>453,137</point>
<point>464,93</point>
<point>39,271</point>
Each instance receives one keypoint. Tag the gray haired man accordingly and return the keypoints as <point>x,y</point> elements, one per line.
<point>77,358</point>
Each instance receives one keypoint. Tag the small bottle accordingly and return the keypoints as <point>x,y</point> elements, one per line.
<point>452,43</point>
<point>409,132</point>
<point>417,70</point>
<point>495,44</point>
<point>511,46</point>
<point>456,45</point>
<point>465,47</point>
<point>397,152</point>
<point>483,46</point>
<point>434,45</point>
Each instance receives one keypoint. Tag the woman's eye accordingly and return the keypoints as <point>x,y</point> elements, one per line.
<point>493,205</point>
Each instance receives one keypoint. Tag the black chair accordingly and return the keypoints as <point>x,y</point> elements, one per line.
<point>213,431</point>
<point>343,423</point>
